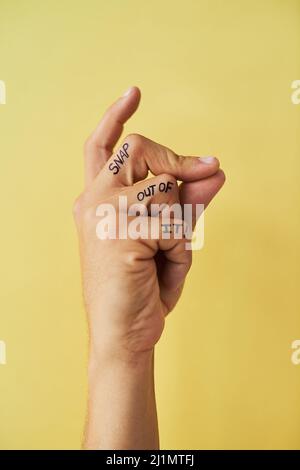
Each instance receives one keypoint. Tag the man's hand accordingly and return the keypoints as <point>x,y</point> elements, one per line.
<point>130,285</point>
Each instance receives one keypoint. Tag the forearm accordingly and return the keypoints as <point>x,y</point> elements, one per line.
<point>122,409</point>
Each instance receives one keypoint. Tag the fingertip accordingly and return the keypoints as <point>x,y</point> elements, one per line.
<point>136,93</point>
<point>197,168</point>
<point>131,92</point>
<point>122,109</point>
<point>203,190</point>
<point>210,161</point>
<point>129,103</point>
<point>221,176</point>
<point>207,160</point>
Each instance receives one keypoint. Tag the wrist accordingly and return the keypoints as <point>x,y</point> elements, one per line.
<point>121,411</point>
<point>133,361</point>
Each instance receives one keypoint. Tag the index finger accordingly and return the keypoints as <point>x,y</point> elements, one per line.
<point>99,146</point>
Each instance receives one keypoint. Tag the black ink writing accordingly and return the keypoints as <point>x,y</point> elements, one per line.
<point>168,228</point>
<point>119,159</point>
<point>165,187</point>
<point>150,190</point>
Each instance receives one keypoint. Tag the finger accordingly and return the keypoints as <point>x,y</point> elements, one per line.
<point>173,262</point>
<point>153,194</point>
<point>176,262</point>
<point>99,146</point>
<point>137,155</point>
<point>201,192</point>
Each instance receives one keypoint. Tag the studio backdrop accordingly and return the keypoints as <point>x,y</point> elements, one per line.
<point>217,78</point>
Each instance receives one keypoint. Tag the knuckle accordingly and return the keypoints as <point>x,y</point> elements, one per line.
<point>131,258</point>
<point>222,176</point>
<point>77,207</point>
<point>166,178</point>
<point>88,144</point>
<point>82,212</point>
<point>88,216</point>
<point>173,161</point>
<point>136,144</point>
<point>189,260</point>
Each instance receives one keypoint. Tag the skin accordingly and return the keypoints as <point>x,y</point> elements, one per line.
<point>129,285</point>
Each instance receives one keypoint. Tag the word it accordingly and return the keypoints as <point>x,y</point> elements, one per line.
<point>168,228</point>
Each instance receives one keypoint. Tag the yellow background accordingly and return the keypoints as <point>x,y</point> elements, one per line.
<point>216,80</point>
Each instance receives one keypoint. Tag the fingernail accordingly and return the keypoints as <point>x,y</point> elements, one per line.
<point>127,92</point>
<point>207,160</point>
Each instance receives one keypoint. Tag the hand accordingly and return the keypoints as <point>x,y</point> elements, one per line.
<point>131,285</point>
